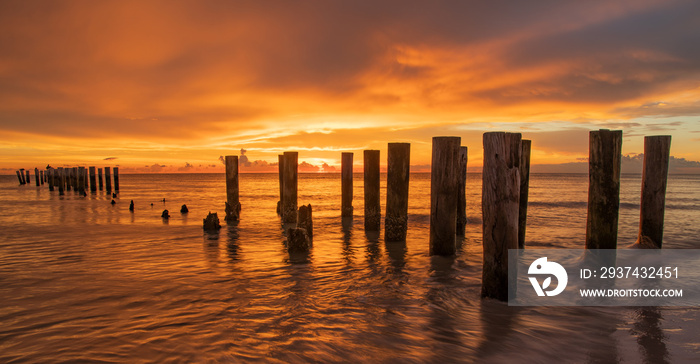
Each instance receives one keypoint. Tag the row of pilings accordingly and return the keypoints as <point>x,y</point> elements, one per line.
<point>77,179</point>
<point>504,201</point>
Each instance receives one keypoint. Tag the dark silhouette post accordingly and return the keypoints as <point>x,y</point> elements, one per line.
<point>20,177</point>
<point>93,182</point>
<point>99,178</point>
<point>108,180</point>
<point>233,205</point>
<point>28,178</point>
<point>373,213</point>
<point>524,188</point>
<point>462,191</point>
<point>657,150</point>
<point>346,184</point>
<point>289,204</point>
<point>398,171</point>
<point>60,179</point>
<point>116,179</point>
<point>500,202</point>
<point>444,182</point>
<point>280,169</point>
<point>605,157</point>
<point>36,177</point>
<point>81,179</point>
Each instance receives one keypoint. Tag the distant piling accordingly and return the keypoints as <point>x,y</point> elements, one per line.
<point>524,190</point>
<point>500,206</point>
<point>20,178</point>
<point>36,177</point>
<point>50,177</point>
<point>81,180</point>
<point>657,150</point>
<point>42,177</point>
<point>605,157</point>
<point>74,178</point>
<point>280,170</point>
<point>59,179</point>
<point>346,184</point>
<point>116,179</point>
<point>444,182</point>
<point>93,182</point>
<point>28,178</point>
<point>289,204</point>
<point>99,179</point>
<point>373,214</point>
<point>233,205</point>
<point>461,225</point>
<point>108,180</point>
<point>22,181</point>
<point>398,172</point>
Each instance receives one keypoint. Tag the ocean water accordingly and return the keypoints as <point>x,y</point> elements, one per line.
<point>84,280</point>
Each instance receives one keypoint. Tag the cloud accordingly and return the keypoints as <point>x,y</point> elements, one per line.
<point>109,158</point>
<point>186,167</point>
<point>155,167</point>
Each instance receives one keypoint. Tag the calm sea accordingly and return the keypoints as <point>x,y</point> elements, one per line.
<point>84,280</point>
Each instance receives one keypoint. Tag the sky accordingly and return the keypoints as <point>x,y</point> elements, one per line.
<point>170,86</point>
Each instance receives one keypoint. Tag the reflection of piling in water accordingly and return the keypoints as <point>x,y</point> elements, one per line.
<point>657,150</point>
<point>99,179</point>
<point>93,181</point>
<point>500,204</point>
<point>398,170</point>
<point>116,179</point>
<point>524,189</point>
<point>233,205</point>
<point>373,214</point>
<point>605,156</point>
<point>108,180</point>
<point>346,184</point>
<point>290,183</point>
<point>462,192</point>
<point>444,182</point>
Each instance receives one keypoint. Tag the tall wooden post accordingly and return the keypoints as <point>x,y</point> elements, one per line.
<point>108,180</point>
<point>233,206</point>
<point>605,157</point>
<point>36,177</point>
<point>398,172</point>
<point>373,213</point>
<point>346,184</point>
<point>115,170</point>
<point>20,178</point>
<point>657,150</point>
<point>43,178</point>
<point>500,199</point>
<point>444,182</point>
<point>280,172</point>
<point>22,181</point>
<point>524,190</point>
<point>74,177</point>
<point>289,204</point>
<point>28,178</point>
<point>462,191</point>
<point>93,182</point>
<point>81,179</point>
<point>50,178</point>
<point>60,179</point>
<point>99,178</point>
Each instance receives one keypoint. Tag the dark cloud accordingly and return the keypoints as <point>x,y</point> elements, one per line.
<point>109,158</point>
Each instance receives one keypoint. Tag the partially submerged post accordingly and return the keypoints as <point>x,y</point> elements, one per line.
<point>20,177</point>
<point>373,214</point>
<point>211,222</point>
<point>346,184</point>
<point>605,156</point>
<point>36,177</point>
<point>233,206</point>
<point>116,179</point>
<point>306,220</point>
<point>99,178</point>
<point>108,180</point>
<point>289,204</point>
<point>42,177</point>
<point>298,240</point>
<point>74,178</point>
<point>500,204</point>
<point>60,178</point>
<point>444,182</point>
<point>50,172</point>
<point>524,187</point>
<point>29,178</point>
<point>462,191</point>
<point>81,180</point>
<point>657,150</point>
<point>93,182</point>
<point>280,170</point>
<point>398,171</point>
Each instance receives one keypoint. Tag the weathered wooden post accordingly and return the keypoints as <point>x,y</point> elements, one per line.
<point>99,178</point>
<point>108,180</point>
<point>116,179</point>
<point>36,177</point>
<point>74,178</point>
<point>68,172</point>
<point>444,182</point>
<point>373,213</point>
<point>22,181</point>
<point>289,204</point>
<point>93,183</point>
<point>29,178</point>
<point>398,172</point>
<point>60,179</point>
<point>50,177</point>
<point>500,202</point>
<point>19,178</point>
<point>42,177</point>
<point>462,191</point>
<point>605,156</point>
<point>346,184</point>
<point>81,180</point>
<point>305,220</point>
<point>524,188</point>
<point>233,206</point>
<point>280,170</point>
<point>657,150</point>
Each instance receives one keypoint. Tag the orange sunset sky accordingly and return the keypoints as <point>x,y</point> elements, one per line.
<point>167,86</point>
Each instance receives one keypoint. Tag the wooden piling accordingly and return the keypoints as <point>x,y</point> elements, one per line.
<point>524,188</point>
<point>444,182</point>
<point>115,171</point>
<point>305,220</point>
<point>36,177</point>
<point>657,150</point>
<point>22,181</point>
<point>373,213</point>
<point>108,180</point>
<point>99,178</point>
<point>605,148</point>
<point>233,205</point>
<point>28,178</point>
<point>60,180</point>
<point>289,204</point>
<point>346,184</point>
<point>19,178</point>
<point>500,205</point>
<point>74,178</point>
<point>81,180</point>
<point>398,172</point>
<point>461,225</point>
<point>42,177</point>
<point>50,178</point>
<point>93,182</point>
<point>280,172</point>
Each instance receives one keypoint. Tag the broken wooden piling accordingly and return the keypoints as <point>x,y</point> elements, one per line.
<point>233,205</point>
<point>524,187</point>
<point>605,157</point>
<point>346,184</point>
<point>20,177</point>
<point>305,220</point>
<point>28,177</point>
<point>99,178</point>
<point>398,172</point>
<point>108,180</point>
<point>444,182</point>
<point>500,205</point>
<point>36,177</point>
<point>280,169</point>
<point>42,176</point>
<point>461,224</point>
<point>373,214</point>
<point>93,181</point>
<point>115,171</point>
<point>657,150</point>
<point>289,204</point>
<point>60,180</point>
<point>81,180</point>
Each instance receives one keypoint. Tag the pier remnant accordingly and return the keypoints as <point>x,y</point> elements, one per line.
<point>289,202</point>
<point>605,157</point>
<point>524,190</point>
<point>166,214</point>
<point>305,220</point>
<point>108,180</point>
<point>346,184</point>
<point>131,206</point>
<point>500,205</point>
<point>211,222</point>
<point>444,182</point>
<point>280,170</point>
<point>99,179</point>
<point>657,150</point>
<point>115,170</point>
<point>28,178</point>
<point>461,225</point>
<point>373,214</point>
<point>20,177</point>
<point>36,177</point>
<point>93,181</point>
<point>42,176</point>
<point>233,205</point>
<point>298,240</point>
<point>81,179</point>
<point>398,171</point>
<point>184,209</point>
<point>60,178</point>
